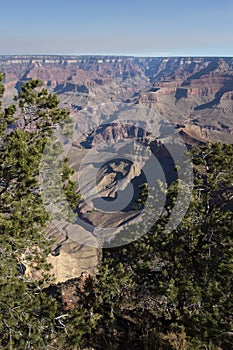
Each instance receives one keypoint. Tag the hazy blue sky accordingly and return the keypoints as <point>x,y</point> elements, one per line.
<point>129,27</point>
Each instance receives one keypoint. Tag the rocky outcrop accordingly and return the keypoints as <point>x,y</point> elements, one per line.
<point>69,256</point>
<point>114,131</point>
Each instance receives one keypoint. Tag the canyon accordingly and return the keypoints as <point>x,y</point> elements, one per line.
<point>193,95</point>
<point>194,91</point>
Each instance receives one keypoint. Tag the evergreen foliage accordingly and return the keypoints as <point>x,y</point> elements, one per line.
<point>27,315</point>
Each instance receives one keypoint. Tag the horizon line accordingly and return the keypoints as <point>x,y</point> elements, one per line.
<point>117,55</point>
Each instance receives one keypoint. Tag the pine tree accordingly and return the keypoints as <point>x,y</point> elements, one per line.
<point>27,315</point>
<point>183,278</point>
